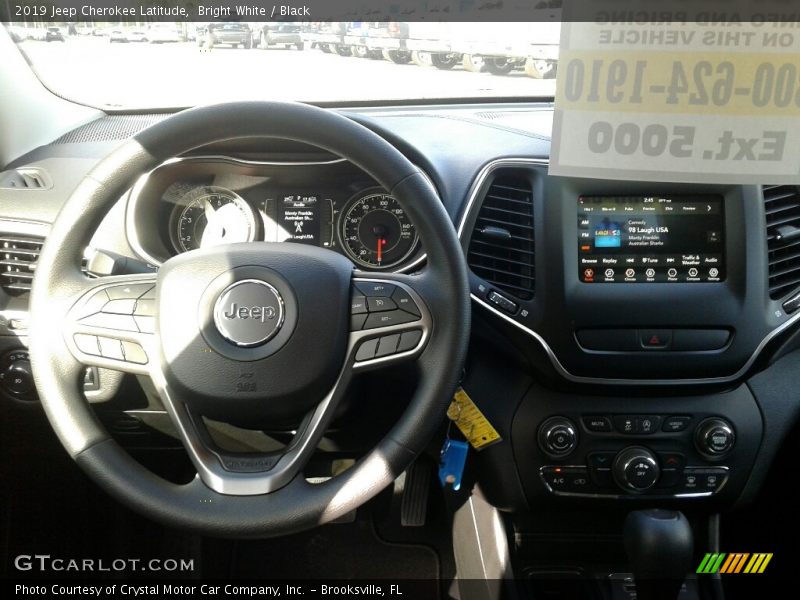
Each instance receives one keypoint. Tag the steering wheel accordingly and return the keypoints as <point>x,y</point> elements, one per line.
<point>248,334</point>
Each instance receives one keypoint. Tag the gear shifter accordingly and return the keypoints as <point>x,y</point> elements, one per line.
<point>659,544</point>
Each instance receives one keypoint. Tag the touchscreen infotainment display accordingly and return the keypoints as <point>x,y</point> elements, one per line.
<point>651,239</point>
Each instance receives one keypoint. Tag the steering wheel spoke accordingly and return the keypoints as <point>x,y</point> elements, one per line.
<point>389,320</point>
<point>248,474</point>
<point>112,324</point>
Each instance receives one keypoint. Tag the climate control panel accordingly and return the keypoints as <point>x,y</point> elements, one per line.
<point>619,455</point>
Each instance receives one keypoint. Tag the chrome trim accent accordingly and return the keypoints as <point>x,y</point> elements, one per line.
<point>135,193</point>
<point>220,325</point>
<point>630,496</point>
<point>521,162</point>
<point>484,173</point>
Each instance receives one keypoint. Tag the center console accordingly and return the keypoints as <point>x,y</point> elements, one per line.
<point>635,283</point>
<point>649,305</point>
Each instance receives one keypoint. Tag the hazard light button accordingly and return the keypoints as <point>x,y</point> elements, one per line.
<point>655,339</point>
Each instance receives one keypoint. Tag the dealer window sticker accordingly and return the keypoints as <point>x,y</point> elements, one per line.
<point>681,101</point>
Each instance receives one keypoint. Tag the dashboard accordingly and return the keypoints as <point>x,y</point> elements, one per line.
<point>608,315</point>
<point>203,201</point>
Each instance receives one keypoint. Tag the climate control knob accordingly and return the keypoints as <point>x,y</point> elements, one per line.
<point>635,469</point>
<point>558,437</point>
<point>714,437</point>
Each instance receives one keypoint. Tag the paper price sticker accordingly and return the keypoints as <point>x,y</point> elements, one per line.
<point>681,102</point>
<point>471,421</point>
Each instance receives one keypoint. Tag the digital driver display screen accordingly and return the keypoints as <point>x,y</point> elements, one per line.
<point>293,217</point>
<point>651,239</point>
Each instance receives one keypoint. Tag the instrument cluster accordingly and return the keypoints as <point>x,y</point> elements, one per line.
<point>201,202</point>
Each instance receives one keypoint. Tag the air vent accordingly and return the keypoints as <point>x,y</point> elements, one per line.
<point>24,179</point>
<point>18,255</point>
<point>782,206</point>
<point>501,250</point>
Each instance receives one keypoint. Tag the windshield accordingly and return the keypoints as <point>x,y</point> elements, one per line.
<point>165,65</point>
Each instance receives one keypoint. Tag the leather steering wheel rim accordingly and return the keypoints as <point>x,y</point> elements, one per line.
<point>299,504</point>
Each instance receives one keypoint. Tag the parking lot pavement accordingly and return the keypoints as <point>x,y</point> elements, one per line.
<point>134,75</point>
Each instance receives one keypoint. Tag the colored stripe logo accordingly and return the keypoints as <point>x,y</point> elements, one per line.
<point>736,562</point>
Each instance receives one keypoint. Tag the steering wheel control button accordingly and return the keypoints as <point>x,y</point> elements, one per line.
<point>358,305</point>
<point>145,307</point>
<point>409,340</point>
<point>134,353</point>
<point>405,302</point>
<point>87,344</point>
<point>111,321</point>
<point>675,424</point>
<point>128,292</point>
<point>372,289</point>
<point>380,304</point>
<point>636,469</point>
<point>367,350</point>
<point>386,319</point>
<point>502,302</point>
<point>655,339</point>
<point>597,424</point>
<point>120,307</point>
<point>145,324</point>
<point>110,348</point>
<point>714,437</point>
<point>558,437</point>
<point>388,345</point>
<point>95,304</point>
<point>357,322</point>
<point>249,313</point>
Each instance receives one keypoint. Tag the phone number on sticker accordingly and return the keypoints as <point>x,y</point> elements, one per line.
<point>679,83</point>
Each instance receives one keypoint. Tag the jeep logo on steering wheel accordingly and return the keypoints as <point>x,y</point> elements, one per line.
<point>249,312</point>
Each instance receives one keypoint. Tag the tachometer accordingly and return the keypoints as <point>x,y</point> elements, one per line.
<point>375,231</point>
<point>211,216</point>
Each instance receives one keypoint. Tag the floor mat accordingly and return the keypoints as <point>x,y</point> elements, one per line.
<point>339,551</point>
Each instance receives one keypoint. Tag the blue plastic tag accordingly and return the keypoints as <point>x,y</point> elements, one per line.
<point>451,463</point>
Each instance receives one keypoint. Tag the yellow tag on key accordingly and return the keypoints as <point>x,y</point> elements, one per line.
<point>471,421</point>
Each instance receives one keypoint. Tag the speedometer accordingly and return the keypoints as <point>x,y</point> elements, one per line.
<point>375,231</point>
<point>211,215</point>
